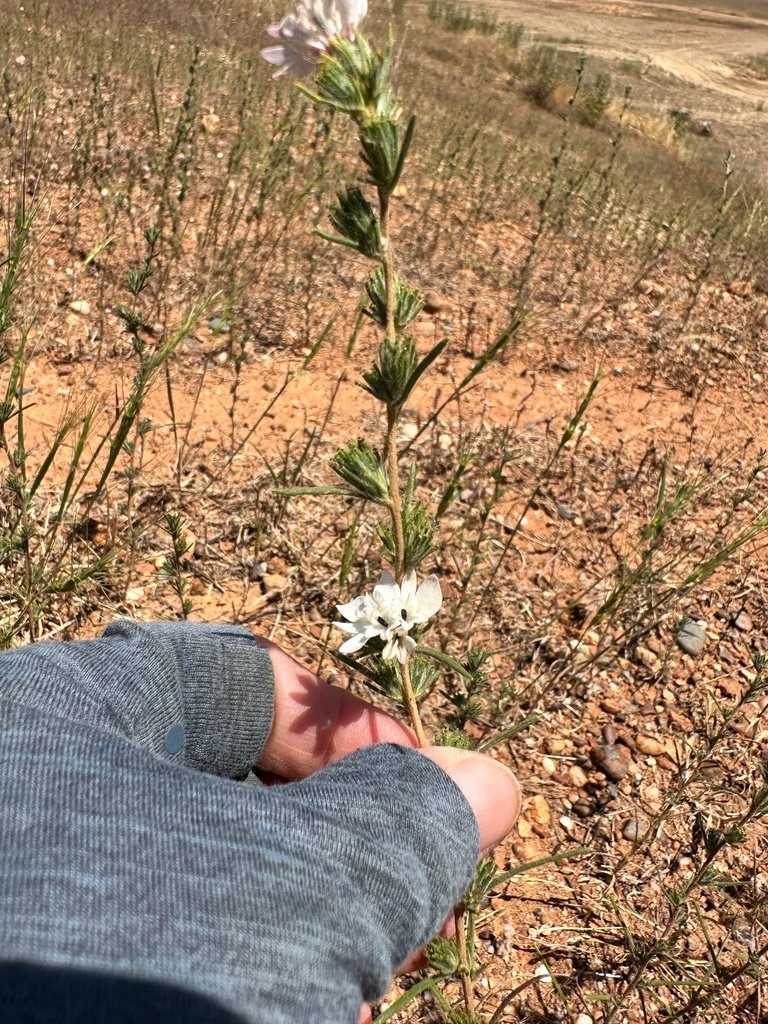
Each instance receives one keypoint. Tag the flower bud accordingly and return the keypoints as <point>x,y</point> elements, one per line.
<point>361,467</point>
<point>408,301</point>
<point>389,380</point>
<point>356,221</point>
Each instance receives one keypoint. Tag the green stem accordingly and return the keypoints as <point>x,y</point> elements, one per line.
<point>393,411</point>
<point>388,262</point>
<point>465,970</point>
<point>413,707</point>
<point>395,504</point>
<point>660,942</point>
<point>425,985</point>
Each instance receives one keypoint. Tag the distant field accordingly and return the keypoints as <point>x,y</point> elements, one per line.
<point>749,7</point>
<point>707,58</point>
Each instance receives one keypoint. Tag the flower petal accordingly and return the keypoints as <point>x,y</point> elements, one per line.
<point>387,597</point>
<point>303,42</point>
<point>355,643</point>
<point>408,586</point>
<point>390,649</point>
<point>429,599</point>
<point>347,627</point>
<point>405,648</point>
<point>274,54</point>
<point>386,580</point>
<point>352,13</point>
<point>352,609</point>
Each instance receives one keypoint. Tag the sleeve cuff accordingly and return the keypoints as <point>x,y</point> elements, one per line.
<point>227,694</point>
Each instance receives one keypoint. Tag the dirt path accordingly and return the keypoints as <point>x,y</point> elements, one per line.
<point>704,47</point>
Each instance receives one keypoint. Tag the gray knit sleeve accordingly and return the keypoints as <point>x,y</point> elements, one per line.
<point>201,696</point>
<point>133,889</point>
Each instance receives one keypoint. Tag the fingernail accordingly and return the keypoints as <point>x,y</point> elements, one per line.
<point>491,789</point>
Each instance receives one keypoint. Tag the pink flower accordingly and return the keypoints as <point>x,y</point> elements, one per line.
<point>305,35</point>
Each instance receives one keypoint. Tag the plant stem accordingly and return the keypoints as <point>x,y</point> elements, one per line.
<point>662,940</point>
<point>22,499</point>
<point>465,971</point>
<point>397,529</point>
<point>395,503</point>
<point>412,706</point>
<point>388,263</point>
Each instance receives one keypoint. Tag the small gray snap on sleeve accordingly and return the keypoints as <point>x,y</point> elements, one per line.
<point>224,685</point>
<point>199,696</point>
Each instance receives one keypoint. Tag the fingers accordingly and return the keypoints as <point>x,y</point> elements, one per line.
<point>418,960</point>
<point>492,792</point>
<point>316,724</point>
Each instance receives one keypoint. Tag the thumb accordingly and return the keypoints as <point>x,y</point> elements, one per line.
<point>489,787</point>
<point>391,838</point>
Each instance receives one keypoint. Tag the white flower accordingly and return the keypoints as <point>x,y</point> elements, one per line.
<point>306,35</point>
<point>337,17</point>
<point>389,613</point>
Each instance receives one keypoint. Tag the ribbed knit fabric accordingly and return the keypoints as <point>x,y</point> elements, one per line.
<point>140,883</point>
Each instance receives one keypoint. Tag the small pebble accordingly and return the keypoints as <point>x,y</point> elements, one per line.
<point>649,745</point>
<point>538,810</point>
<point>583,1018</point>
<point>742,621</point>
<point>743,932</point>
<point>612,706</point>
<point>666,763</point>
<point>218,326</point>
<point>555,745</point>
<point>524,828</point>
<point>548,765</point>
<point>583,808</point>
<point>275,581</point>
<point>691,637</point>
<point>257,571</point>
<point>610,762</point>
<point>633,830</point>
<point>542,973</point>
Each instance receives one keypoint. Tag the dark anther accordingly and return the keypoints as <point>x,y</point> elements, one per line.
<point>404,613</point>
<point>382,621</point>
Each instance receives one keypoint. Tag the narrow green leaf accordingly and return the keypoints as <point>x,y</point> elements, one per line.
<point>446,659</point>
<point>337,239</point>
<point>556,858</point>
<point>406,145</point>
<point>293,492</point>
<point>320,342</point>
<point>507,734</point>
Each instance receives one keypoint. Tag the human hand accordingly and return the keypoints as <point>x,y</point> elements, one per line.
<point>316,724</point>
<point>138,878</point>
